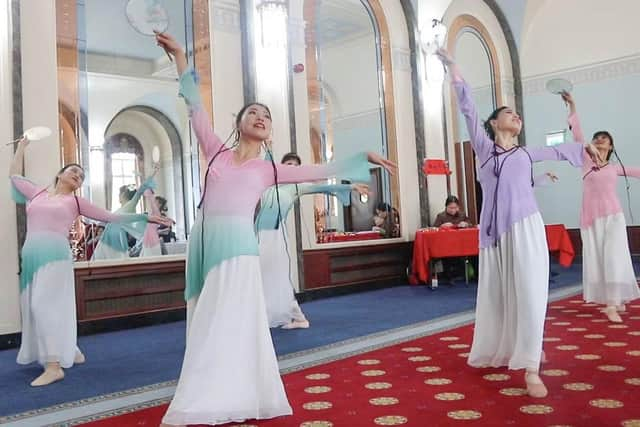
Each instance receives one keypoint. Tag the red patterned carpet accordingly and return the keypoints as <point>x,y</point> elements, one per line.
<point>593,376</point>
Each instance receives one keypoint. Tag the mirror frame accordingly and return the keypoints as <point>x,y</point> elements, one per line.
<point>75,120</point>
<point>385,82</point>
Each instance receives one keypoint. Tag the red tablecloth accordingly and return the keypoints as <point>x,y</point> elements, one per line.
<point>464,242</point>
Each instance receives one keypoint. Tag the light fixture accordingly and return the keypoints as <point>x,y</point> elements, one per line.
<point>273,23</point>
<point>432,37</point>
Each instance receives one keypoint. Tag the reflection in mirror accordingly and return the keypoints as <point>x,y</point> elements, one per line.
<point>130,112</point>
<point>346,113</point>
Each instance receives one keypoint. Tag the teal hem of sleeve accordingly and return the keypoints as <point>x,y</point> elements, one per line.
<point>189,89</point>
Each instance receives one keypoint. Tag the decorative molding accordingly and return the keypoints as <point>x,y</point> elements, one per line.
<point>401,59</point>
<point>225,17</point>
<point>591,73</point>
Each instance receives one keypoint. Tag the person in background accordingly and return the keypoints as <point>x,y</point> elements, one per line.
<point>452,216</point>
<point>382,220</point>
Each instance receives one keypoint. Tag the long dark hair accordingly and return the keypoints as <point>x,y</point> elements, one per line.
<point>487,123</point>
<point>291,156</point>
<point>614,152</point>
<point>64,168</point>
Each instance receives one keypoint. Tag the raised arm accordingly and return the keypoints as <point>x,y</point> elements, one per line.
<point>209,142</point>
<point>480,141</point>
<point>22,190</point>
<point>573,120</point>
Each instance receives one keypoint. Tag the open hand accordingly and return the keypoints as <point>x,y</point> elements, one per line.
<point>377,159</point>
<point>593,153</point>
<point>162,220</point>
<point>444,56</point>
<point>168,43</point>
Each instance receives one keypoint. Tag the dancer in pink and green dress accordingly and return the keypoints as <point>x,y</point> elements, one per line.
<point>47,291</point>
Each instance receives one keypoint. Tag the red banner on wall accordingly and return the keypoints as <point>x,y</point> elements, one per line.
<point>436,167</point>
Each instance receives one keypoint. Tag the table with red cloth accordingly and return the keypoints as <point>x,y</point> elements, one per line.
<point>462,242</point>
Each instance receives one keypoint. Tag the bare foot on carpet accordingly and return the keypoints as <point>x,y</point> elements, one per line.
<point>535,386</point>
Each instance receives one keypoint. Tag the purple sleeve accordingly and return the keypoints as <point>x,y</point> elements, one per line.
<point>90,210</point>
<point>571,152</point>
<point>629,171</point>
<point>480,141</point>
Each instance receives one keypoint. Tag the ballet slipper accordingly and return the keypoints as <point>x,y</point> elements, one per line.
<point>621,308</point>
<point>79,359</point>
<point>535,386</point>
<point>297,324</point>
<point>49,376</point>
<point>612,314</point>
<point>543,357</point>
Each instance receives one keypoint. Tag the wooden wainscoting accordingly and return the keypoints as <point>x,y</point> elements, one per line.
<point>116,291</point>
<point>356,265</point>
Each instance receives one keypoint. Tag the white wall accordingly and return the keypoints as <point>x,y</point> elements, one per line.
<point>9,287</point>
<point>604,65</point>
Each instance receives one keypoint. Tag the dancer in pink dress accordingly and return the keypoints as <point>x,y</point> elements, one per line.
<point>47,290</point>
<point>607,271</point>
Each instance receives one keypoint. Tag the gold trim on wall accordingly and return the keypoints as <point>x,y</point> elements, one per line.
<point>389,97</point>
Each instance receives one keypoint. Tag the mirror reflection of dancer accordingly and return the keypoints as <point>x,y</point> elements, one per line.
<point>514,259</point>
<point>282,307</point>
<point>230,371</point>
<point>607,271</point>
<point>114,241</point>
<point>47,290</point>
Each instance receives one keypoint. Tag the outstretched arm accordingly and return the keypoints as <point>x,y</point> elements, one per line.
<point>209,142</point>
<point>18,158</point>
<point>573,120</point>
<point>628,171</point>
<point>480,141</point>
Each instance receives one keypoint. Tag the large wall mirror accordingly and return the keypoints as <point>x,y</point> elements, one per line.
<point>121,117</point>
<point>348,73</point>
<point>474,52</point>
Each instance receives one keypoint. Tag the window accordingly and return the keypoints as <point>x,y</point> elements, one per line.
<point>124,172</point>
<point>555,138</point>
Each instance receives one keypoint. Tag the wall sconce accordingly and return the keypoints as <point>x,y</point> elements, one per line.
<point>432,38</point>
<point>272,15</point>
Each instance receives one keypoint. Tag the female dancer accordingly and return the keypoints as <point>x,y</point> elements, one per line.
<point>282,307</point>
<point>151,239</point>
<point>114,242</point>
<point>514,258</point>
<point>47,295</point>
<point>607,271</point>
<point>230,371</point>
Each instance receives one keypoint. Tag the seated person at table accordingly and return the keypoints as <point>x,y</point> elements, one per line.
<point>382,220</point>
<point>450,268</point>
<point>452,215</point>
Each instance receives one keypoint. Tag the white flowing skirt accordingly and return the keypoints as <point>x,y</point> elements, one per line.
<point>607,270</point>
<point>279,297</point>
<point>104,251</point>
<point>513,288</point>
<point>48,304</point>
<point>230,371</point>
<point>155,250</point>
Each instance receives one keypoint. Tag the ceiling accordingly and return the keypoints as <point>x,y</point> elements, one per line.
<point>337,20</point>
